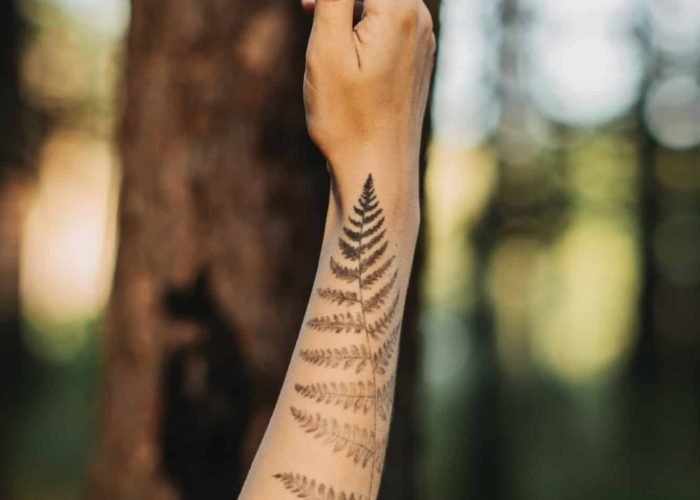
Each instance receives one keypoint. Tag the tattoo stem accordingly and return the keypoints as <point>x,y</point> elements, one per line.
<point>369,348</point>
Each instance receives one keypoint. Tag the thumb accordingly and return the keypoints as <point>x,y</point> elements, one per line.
<point>333,19</point>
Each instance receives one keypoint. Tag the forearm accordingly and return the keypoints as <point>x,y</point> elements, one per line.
<point>332,419</point>
<point>365,91</point>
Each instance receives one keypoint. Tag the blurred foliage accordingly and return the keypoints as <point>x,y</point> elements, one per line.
<point>561,356</point>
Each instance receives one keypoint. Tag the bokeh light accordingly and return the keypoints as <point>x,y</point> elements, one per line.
<point>68,244</point>
<point>587,295</point>
<point>676,26</point>
<point>585,67</point>
<point>107,18</point>
<point>465,108</point>
<point>583,80</point>
<point>603,15</point>
<point>672,111</point>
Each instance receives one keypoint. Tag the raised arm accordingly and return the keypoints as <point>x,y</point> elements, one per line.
<point>365,89</point>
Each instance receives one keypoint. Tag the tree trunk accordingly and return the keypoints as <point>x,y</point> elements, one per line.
<point>222,209</point>
<point>221,217</point>
<point>14,177</point>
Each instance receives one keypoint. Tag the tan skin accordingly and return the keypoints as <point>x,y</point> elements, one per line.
<point>368,72</point>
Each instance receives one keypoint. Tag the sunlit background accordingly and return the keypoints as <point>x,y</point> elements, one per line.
<point>559,326</point>
<point>560,340</point>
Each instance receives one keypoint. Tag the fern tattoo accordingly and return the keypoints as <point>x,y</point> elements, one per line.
<point>304,487</point>
<point>367,302</point>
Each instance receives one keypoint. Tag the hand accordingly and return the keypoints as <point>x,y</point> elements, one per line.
<point>366,84</point>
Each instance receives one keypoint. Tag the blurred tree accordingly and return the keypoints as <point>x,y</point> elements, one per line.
<point>12,146</point>
<point>222,208</point>
<point>13,357</point>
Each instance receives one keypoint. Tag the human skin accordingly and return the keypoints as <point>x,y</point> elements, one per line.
<point>368,73</point>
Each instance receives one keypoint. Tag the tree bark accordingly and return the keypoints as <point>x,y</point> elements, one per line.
<point>222,208</point>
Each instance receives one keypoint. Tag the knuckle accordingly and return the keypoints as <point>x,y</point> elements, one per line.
<point>314,133</point>
<point>315,129</point>
<point>406,15</point>
<point>426,18</point>
<point>432,41</point>
<point>312,58</point>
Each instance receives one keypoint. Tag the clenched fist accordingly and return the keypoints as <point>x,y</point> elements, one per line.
<point>368,73</point>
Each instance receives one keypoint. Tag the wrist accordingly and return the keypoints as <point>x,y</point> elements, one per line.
<point>384,145</point>
<point>396,185</point>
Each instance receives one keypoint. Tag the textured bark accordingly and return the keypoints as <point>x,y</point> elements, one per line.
<point>221,217</point>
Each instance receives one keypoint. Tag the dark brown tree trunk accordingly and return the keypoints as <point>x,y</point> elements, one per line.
<point>14,178</point>
<point>222,209</point>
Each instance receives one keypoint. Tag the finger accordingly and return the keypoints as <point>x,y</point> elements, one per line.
<point>394,9</point>
<point>333,17</point>
<point>308,6</point>
<point>375,6</point>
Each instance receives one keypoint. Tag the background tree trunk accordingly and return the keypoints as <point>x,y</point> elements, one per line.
<point>221,215</point>
<point>14,177</point>
<point>222,210</point>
